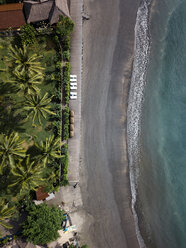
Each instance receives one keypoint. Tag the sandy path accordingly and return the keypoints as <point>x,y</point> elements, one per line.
<point>108,47</point>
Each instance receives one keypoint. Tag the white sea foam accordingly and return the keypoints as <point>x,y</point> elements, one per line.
<point>138,81</point>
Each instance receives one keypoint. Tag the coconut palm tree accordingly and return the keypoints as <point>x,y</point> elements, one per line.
<point>38,106</point>
<point>6,212</point>
<point>27,176</point>
<point>22,61</point>
<point>26,82</point>
<point>10,148</point>
<point>49,149</point>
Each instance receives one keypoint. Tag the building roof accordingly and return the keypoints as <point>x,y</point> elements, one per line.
<point>11,15</point>
<point>40,194</point>
<point>36,11</point>
<point>62,7</point>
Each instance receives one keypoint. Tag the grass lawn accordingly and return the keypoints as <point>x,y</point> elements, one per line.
<point>12,100</point>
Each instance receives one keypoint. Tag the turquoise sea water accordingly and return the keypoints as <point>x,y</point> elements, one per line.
<point>162,170</point>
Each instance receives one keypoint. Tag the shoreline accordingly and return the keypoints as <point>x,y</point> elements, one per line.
<point>118,177</point>
<point>135,103</point>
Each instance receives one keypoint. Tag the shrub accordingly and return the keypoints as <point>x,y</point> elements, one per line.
<point>64,27</point>
<point>66,81</point>
<point>66,114</point>
<point>57,188</point>
<point>57,128</point>
<point>57,96</point>
<point>58,65</point>
<point>42,224</point>
<point>28,34</point>
<point>66,43</point>
<point>64,164</point>
<point>67,93</point>
<point>66,55</point>
<point>4,241</point>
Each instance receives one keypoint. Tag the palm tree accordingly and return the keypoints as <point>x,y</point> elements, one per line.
<point>49,149</point>
<point>28,176</point>
<point>22,61</point>
<point>10,148</point>
<point>38,107</point>
<point>5,213</point>
<point>27,83</point>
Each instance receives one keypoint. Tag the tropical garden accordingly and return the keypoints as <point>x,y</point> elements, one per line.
<point>34,98</point>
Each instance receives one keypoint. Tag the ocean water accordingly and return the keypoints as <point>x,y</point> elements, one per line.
<point>156,125</point>
<point>159,168</point>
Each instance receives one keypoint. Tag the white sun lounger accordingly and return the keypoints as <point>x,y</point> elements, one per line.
<point>73,84</point>
<point>73,97</point>
<point>73,78</point>
<point>73,93</point>
<point>73,87</point>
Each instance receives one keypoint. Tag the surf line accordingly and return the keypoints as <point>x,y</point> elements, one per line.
<point>135,102</point>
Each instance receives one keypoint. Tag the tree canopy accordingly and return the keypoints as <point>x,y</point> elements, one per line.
<point>10,148</point>
<point>49,149</point>
<point>28,176</point>
<point>38,106</point>
<point>42,224</point>
<point>5,213</point>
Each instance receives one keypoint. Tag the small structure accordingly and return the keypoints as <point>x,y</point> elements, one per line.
<point>45,10</point>
<point>11,16</point>
<point>41,195</point>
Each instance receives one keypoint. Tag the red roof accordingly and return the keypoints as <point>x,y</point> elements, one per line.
<point>41,195</point>
<point>11,16</point>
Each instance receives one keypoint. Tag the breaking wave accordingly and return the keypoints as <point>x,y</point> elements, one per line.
<point>138,81</point>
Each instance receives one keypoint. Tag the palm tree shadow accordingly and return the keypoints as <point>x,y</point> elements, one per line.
<point>7,88</point>
<point>10,121</point>
<point>33,151</point>
<point>16,222</point>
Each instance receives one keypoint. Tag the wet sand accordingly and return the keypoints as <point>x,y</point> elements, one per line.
<point>108,41</point>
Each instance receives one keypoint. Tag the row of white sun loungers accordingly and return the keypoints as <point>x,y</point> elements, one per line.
<point>73,86</point>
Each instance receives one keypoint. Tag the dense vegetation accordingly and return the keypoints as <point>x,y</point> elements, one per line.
<point>8,1</point>
<point>64,162</point>
<point>42,224</point>
<point>30,116</point>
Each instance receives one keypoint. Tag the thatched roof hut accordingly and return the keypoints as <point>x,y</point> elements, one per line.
<point>71,120</point>
<point>71,127</point>
<point>45,10</point>
<point>72,113</point>
<point>40,194</point>
<point>11,16</point>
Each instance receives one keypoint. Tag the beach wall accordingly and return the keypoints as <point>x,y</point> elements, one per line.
<point>135,102</point>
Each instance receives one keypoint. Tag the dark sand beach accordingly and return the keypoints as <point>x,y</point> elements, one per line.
<point>108,42</point>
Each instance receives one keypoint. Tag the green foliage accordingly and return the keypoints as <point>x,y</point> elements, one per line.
<point>42,224</point>
<point>66,43</point>
<point>84,246</point>
<point>27,176</point>
<point>38,107</point>
<point>66,55</point>
<point>66,114</point>
<point>64,27</point>
<point>22,61</point>
<point>57,128</point>
<point>64,163</point>
<point>24,70</point>
<point>4,241</point>
<point>10,149</point>
<point>28,34</point>
<point>6,212</point>
<point>49,149</point>
<point>2,2</point>
<point>66,81</point>
<point>27,83</point>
